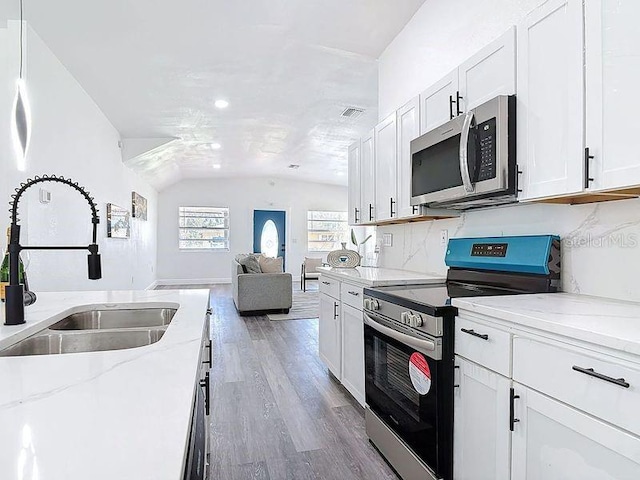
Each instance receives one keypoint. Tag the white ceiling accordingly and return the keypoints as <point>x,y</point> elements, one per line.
<point>287,67</point>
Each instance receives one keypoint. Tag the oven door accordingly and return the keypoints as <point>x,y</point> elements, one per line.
<point>402,381</point>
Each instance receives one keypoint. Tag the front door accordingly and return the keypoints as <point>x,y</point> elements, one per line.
<point>269,227</point>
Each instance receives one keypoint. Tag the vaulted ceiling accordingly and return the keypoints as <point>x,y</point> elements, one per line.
<point>288,68</point>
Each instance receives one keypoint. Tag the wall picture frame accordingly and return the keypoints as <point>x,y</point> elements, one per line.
<point>138,206</point>
<point>118,223</point>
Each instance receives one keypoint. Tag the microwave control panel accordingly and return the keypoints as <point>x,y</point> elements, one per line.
<point>486,151</point>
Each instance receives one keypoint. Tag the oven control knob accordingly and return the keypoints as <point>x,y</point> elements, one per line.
<point>375,305</point>
<point>404,317</point>
<point>416,320</point>
<point>367,303</point>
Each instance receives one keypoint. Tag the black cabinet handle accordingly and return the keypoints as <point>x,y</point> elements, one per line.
<point>587,157</point>
<point>335,311</point>
<point>208,361</point>
<point>326,283</point>
<point>370,212</point>
<point>518,173</point>
<point>592,373</point>
<point>451,102</point>
<point>458,98</point>
<point>355,294</point>
<point>355,217</point>
<point>483,336</point>
<point>512,409</point>
<point>392,204</point>
<point>456,385</point>
<point>207,399</point>
<point>415,209</point>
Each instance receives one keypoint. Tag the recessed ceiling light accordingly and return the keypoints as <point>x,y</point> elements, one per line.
<point>221,103</point>
<point>216,146</point>
<point>217,166</point>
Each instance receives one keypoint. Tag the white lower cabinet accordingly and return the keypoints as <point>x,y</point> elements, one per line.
<point>329,334</point>
<point>481,428</point>
<point>353,352</point>
<point>341,333</point>
<point>553,441</point>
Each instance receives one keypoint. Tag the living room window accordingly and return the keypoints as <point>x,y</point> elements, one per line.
<point>203,228</point>
<point>326,230</point>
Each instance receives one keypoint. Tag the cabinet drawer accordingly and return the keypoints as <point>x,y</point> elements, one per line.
<point>351,295</point>
<point>487,346</point>
<point>585,380</point>
<point>330,286</point>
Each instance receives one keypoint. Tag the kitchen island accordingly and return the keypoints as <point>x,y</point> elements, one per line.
<point>117,414</point>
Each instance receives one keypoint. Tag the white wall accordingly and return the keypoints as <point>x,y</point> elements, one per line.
<point>73,138</point>
<point>242,196</point>
<point>439,37</point>
<point>601,242</point>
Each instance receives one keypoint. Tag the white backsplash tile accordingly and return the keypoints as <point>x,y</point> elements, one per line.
<point>600,242</point>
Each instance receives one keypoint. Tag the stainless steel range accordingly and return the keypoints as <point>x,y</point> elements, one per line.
<point>409,346</point>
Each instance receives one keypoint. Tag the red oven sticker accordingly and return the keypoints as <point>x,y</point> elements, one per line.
<point>420,373</point>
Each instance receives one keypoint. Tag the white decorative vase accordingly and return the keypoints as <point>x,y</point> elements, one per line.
<point>343,258</point>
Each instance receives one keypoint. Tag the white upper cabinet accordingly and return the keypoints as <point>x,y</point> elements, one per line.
<point>489,73</point>
<point>408,127</point>
<point>355,210</point>
<point>612,76</point>
<point>550,108</point>
<point>367,179</point>
<point>438,103</point>
<point>385,169</point>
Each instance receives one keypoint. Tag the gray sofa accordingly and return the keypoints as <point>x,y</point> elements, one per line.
<point>255,293</point>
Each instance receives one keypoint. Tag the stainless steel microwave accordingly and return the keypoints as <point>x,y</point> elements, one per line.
<point>468,162</point>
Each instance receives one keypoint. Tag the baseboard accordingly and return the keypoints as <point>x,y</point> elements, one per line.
<point>192,281</point>
<point>152,286</point>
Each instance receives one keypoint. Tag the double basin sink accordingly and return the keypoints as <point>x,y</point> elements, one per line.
<point>96,330</point>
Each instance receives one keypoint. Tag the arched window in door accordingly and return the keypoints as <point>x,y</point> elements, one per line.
<point>269,239</point>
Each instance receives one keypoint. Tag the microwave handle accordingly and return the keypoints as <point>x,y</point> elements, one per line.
<point>464,164</point>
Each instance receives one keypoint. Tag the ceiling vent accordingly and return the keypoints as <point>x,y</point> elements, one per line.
<point>352,112</point>
<point>294,166</point>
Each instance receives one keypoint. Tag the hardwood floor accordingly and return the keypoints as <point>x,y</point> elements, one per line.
<point>276,412</point>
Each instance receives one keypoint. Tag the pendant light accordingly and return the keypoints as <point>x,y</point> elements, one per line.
<point>21,114</point>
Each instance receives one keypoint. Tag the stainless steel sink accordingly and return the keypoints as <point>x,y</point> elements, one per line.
<point>49,342</point>
<point>109,319</point>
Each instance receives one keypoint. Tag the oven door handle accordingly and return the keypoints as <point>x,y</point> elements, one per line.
<point>464,152</point>
<point>417,343</point>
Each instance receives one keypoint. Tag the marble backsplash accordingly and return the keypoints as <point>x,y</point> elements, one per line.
<point>600,242</point>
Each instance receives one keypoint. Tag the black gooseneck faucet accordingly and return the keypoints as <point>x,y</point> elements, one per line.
<point>15,296</point>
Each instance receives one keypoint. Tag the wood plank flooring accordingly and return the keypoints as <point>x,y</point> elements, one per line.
<point>276,412</point>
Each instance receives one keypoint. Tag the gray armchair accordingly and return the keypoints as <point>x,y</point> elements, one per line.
<point>260,292</point>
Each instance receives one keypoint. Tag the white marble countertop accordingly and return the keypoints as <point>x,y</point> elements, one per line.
<point>122,414</point>
<point>606,322</point>
<point>380,277</point>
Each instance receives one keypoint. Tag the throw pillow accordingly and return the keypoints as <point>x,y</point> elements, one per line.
<point>250,263</point>
<point>270,265</point>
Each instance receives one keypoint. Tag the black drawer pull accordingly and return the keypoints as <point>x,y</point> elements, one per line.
<point>592,373</point>
<point>355,294</point>
<point>326,283</point>
<point>483,336</point>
